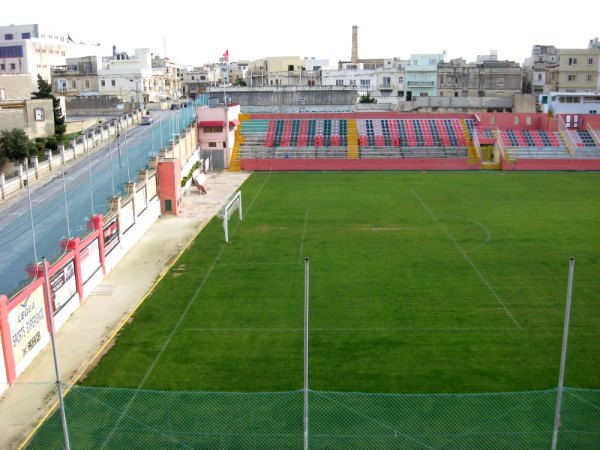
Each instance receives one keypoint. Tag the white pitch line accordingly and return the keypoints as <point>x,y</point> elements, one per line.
<point>303,233</point>
<point>483,279</point>
<point>344,330</point>
<point>175,329</point>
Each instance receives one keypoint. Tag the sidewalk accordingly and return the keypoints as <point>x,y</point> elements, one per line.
<point>90,328</point>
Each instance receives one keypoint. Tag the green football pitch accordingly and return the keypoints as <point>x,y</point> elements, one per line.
<point>419,283</point>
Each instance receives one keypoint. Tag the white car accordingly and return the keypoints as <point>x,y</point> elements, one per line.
<point>147,120</point>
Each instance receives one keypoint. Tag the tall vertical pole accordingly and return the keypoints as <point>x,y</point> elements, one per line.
<point>90,174</point>
<point>112,175</point>
<point>62,167</point>
<point>30,210</point>
<point>61,401</point>
<point>563,356</point>
<point>127,158</point>
<point>306,310</point>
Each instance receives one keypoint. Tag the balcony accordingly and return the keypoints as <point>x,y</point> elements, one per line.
<point>420,83</point>
<point>386,87</point>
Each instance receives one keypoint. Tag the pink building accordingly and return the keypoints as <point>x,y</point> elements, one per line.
<point>216,140</point>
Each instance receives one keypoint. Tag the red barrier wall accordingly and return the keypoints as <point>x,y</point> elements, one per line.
<point>359,164</point>
<point>553,164</point>
<point>506,121</point>
<point>364,115</point>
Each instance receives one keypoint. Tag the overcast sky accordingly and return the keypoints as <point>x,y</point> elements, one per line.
<point>192,33</point>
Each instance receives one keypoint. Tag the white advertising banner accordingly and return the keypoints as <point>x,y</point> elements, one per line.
<point>63,286</point>
<point>126,218</point>
<point>151,187</point>
<point>140,201</point>
<point>28,325</point>
<point>90,260</point>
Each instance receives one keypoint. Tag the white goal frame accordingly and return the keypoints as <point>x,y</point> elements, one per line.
<point>230,207</point>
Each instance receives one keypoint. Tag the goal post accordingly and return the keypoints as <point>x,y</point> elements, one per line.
<point>232,205</point>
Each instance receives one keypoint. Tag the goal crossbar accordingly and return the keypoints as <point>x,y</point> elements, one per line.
<point>230,207</point>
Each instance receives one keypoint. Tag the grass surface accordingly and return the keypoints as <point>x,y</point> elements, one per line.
<point>419,283</point>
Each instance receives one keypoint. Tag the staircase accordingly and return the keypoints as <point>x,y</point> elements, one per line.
<point>352,139</point>
<point>234,161</point>
<point>473,155</point>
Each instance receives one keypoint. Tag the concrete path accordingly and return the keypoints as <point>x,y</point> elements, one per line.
<point>92,326</point>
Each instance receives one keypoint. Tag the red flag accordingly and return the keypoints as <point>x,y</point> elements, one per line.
<point>226,55</point>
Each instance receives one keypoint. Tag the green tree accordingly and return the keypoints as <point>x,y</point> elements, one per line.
<point>367,98</point>
<point>15,145</point>
<point>240,82</point>
<point>45,91</point>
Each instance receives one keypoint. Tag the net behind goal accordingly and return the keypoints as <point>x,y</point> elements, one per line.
<point>232,205</point>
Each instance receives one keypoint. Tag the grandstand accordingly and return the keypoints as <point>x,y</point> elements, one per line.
<point>396,141</point>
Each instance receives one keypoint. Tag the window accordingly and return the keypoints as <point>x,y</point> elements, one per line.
<point>212,144</point>
<point>213,129</point>
<point>102,83</point>
<point>8,37</point>
<point>87,84</point>
<point>400,93</point>
<point>516,120</point>
<point>339,82</point>
<point>528,120</point>
<point>290,68</point>
<point>38,114</point>
<point>572,77</point>
<point>589,77</point>
<point>539,77</point>
<point>113,83</point>
<point>500,80</point>
<point>2,66</point>
<point>74,84</point>
<point>25,35</point>
<point>72,67</point>
<point>13,66</point>
<point>572,61</point>
<point>432,62</point>
<point>13,51</point>
<point>365,82</point>
<point>386,81</point>
<point>401,80</point>
<point>590,61</point>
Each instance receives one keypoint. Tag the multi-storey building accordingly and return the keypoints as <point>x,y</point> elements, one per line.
<point>390,81</point>
<point>421,75</point>
<point>131,79</point>
<point>27,51</point>
<point>170,73</point>
<point>281,71</point>
<point>458,78</point>
<point>541,69</point>
<point>352,74</point>
<point>194,81</point>
<point>578,70</point>
<point>78,77</point>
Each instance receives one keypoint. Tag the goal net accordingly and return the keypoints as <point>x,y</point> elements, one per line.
<point>232,205</point>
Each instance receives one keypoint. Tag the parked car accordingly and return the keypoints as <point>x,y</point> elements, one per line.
<point>147,120</point>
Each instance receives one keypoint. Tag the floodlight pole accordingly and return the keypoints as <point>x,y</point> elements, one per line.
<point>306,310</point>
<point>50,311</point>
<point>563,356</point>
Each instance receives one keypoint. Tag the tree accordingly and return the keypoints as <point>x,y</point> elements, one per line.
<point>240,82</point>
<point>45,91</point>
<point>367,98</point>
<point>15,145</point>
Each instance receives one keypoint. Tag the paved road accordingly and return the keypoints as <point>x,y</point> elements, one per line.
<point>62,206</point>
<point>92,326</point>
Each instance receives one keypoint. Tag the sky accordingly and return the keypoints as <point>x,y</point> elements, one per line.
<point>193,33</point>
